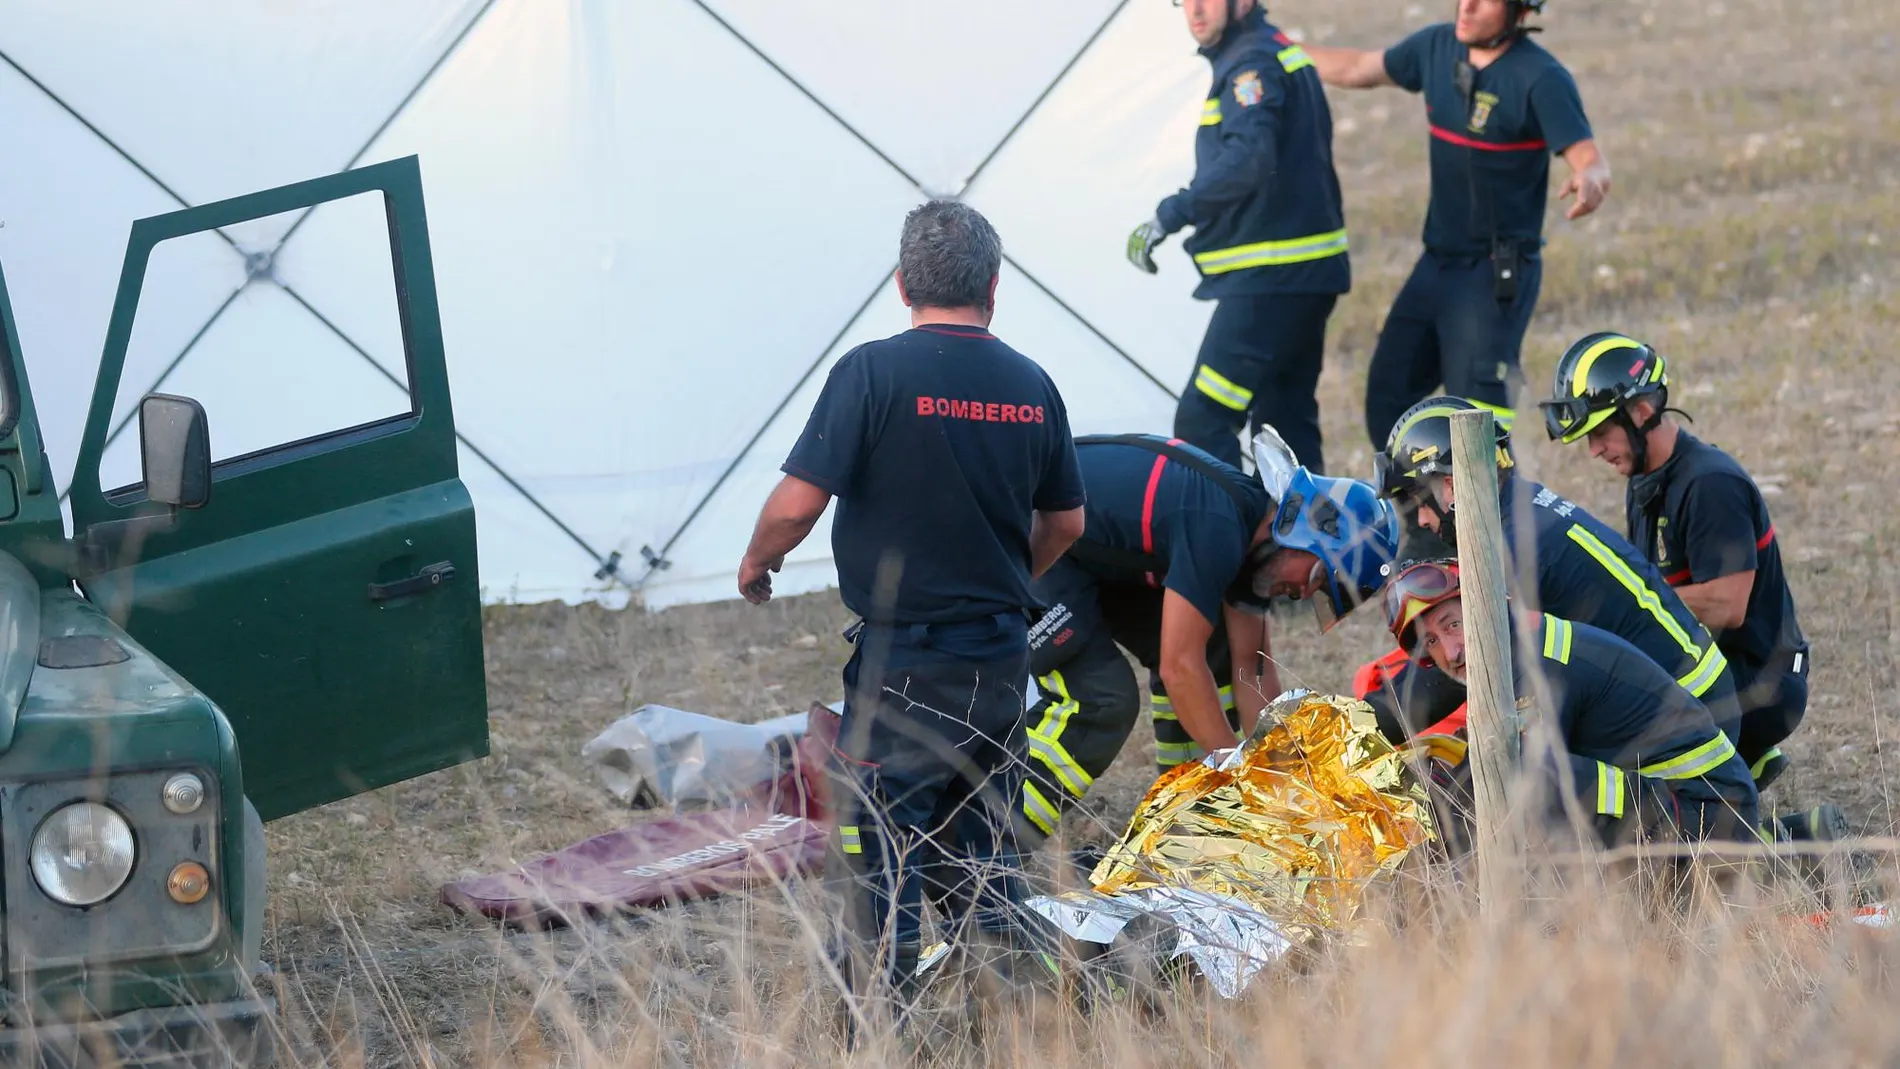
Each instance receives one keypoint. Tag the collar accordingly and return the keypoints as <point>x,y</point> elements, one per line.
<point>1646,489</point>
<point>959,330</point>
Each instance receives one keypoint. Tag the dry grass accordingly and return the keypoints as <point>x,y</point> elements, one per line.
<point>1751,233</point>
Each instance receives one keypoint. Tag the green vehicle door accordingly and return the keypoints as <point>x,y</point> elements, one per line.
<point>325,595</point>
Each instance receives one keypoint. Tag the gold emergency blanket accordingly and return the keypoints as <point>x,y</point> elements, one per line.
<point>1293,823</point>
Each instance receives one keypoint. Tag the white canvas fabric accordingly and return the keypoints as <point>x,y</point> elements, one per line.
<point>655,228</point>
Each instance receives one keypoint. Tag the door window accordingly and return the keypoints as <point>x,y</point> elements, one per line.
<point>288,349</point>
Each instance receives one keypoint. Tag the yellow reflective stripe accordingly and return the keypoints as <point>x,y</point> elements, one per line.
<point>1294,57</point>
<point>1175,753</point>
<point>1060,762</point>
<point>1210,112</point>
<point>1160,707</point>
<point>1697,762</point>
<point>1262,253</point>
<point>849,839</point>
<point>1037,808</point>
<point>1557,634</point>
<point>1645,597</point>
<point>1580,377</point>
<point>1222,389</point>
<point>1045,738</point>
<point>1505,416</point>
<point>1609,790</point>
<point>1755,770</point>
<point>1704,675</point>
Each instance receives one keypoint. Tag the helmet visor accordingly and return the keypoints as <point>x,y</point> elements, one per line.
<point>1412,592</point>
<point>1567,418</point>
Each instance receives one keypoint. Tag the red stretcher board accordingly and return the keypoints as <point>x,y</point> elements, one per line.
<point>778,834</point>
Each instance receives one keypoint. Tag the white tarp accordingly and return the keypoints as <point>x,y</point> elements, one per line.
<point>655,227</point>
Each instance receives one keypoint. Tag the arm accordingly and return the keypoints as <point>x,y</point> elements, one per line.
<point>1722,603</point>
<point>1589,178</point>
<point>1349,68</point>
<point>1256,680</point>
<point>1721,546</point>
<point>822,464</point>
<point>786,519</point>
<point>1184,637</point>
<point>1249,130</point>
<point>1050,535</point>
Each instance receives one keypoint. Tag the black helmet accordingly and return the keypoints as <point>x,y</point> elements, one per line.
<point>1597,377</point>
<point>1420,445</point>
<point>1597,380</point>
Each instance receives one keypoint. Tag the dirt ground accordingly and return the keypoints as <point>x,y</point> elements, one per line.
<point>1750,233</point>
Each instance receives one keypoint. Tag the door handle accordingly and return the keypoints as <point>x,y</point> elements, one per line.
<point>420,583</point>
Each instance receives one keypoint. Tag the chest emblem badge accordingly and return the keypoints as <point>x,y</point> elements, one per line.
<point>1481,105</point>
<point>1247,88</point>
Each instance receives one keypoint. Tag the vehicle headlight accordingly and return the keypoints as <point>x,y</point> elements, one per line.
<point>82,854</point>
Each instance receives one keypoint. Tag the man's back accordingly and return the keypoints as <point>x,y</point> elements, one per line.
<point>1616,705</point>
<point>940,444</point>
<point>1590,574</point>
<point>1145,502</point>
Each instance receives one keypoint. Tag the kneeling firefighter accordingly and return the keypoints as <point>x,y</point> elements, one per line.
<point>1640,756</point>
<point>1180,559</point>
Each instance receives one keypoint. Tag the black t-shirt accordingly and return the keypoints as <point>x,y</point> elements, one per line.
<point>1491,153</point>
<point>1700,517</point>
<point>1142,502</point>
<point>940,443</point>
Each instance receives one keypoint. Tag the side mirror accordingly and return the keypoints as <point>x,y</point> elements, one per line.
<point>176,448</point>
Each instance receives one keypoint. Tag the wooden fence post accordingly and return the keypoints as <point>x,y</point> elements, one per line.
<point>1491,697</point>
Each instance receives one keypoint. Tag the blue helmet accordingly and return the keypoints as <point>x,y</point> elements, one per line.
<point>1344,523</point>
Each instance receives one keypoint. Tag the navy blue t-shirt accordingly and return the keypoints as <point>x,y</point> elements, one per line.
<point>940,444</point>
<point>1700,517</point>
<point>1142,502</point>
<point>1491,152</point>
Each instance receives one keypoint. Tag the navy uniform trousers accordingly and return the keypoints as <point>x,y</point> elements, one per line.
<point>1089,698</point>
<point>1259,364</point>
<point>926,773</point>
<point>1447,326</point>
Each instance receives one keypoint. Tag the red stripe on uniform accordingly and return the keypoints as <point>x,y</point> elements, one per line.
<point>1679,578</point>
<point>1762,542</point>
<point>1443,134</point>
<point>1148,507</point>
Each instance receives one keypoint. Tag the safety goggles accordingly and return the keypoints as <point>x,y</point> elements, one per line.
<point>1414,591</point>
<point>1566,418</point>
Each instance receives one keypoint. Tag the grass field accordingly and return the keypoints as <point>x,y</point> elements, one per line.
<point>1750,233</point>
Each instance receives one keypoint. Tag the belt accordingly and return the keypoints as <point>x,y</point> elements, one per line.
<point>921,632</point>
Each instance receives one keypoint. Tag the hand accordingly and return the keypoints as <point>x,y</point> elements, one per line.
<point>1142,243</point>
<point>1590,189</point>
<point>755,580</point>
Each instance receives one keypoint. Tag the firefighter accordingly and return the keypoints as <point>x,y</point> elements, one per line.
<point>1498,105</point>
<point>1693,509</point>
<point>1181,556</point>
<point>1642,758</point>
<point>1269,241</point>
<point>957,482</point>
<point>1585,572</point>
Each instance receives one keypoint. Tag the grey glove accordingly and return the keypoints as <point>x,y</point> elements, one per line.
<point>1142,243</point>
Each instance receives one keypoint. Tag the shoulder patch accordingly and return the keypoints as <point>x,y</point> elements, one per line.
<point>1247,88</point>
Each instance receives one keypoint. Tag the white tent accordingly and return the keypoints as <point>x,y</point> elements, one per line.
<point>655,222</point>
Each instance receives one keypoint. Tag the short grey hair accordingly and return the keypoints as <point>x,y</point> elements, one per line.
<point>948,255</point>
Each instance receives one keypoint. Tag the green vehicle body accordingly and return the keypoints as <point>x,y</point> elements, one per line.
<point>294,626</point>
